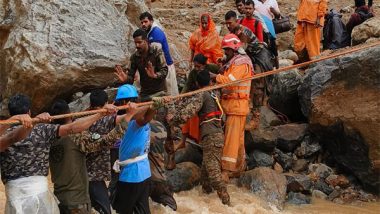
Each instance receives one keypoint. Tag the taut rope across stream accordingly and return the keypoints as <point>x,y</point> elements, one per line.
<point>257,76</point>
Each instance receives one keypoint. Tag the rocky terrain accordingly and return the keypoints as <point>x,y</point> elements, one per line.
<point>318,138</point>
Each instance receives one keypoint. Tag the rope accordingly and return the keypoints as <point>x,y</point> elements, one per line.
<point>257,76</point>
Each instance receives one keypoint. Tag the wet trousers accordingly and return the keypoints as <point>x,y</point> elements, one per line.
<point>308,37</point>
<point>233,158</point>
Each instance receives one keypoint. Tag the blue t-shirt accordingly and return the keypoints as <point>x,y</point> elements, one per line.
<point>135,143</point>
<point>157,35</point>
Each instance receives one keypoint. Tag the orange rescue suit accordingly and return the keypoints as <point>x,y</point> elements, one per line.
<point>308,34</point>
<point>235,103</point>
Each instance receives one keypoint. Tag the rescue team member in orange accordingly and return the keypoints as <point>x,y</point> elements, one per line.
<point>234,102</point>
<point>310,20</point>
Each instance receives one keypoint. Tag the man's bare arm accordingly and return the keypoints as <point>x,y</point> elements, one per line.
<point>14,136</point>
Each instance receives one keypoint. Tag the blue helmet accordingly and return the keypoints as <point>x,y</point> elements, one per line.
<point>126,91</point>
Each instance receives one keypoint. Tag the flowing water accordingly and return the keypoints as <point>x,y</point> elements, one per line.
<point>243,202</point>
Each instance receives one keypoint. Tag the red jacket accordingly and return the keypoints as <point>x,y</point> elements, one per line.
<point>255,26</point>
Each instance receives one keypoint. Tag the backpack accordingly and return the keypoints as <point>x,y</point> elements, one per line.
<point>335,34</point>
<point>364,15</point>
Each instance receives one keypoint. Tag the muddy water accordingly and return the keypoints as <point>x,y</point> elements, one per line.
<point>243,202</point>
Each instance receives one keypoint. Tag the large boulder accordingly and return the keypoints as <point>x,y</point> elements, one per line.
<point>52,49</point>
<point>366,30</point>
<point>266,183</point>
<point>190,153</point>
<point>289,136</point>
<point>284,94</point>
<point>55,48</point>
<point>258,158</point>
<point>341,99</point>
<point>262,139</point>
<point>185,176</point>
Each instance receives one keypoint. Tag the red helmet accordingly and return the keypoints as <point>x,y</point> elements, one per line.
<point>231,41</point>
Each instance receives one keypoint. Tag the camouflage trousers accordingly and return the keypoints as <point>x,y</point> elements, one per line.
<point>212,146</point>
<point>259,89</point>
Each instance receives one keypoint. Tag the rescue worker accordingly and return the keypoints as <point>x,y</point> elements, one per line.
<point>207,106</point>
<point>149,61</point>
<point>17,134</point>
<point>160,190</point>
<point>310,20</point>
<point>261,59</point>
<point>68,165</point>
<point>191,128</point>
<point>133,188</point>
<point>25,164</point>
<point>235,103</point>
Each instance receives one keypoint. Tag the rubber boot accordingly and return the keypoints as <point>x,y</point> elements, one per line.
<point>206,188</point>
<point>224,196</point>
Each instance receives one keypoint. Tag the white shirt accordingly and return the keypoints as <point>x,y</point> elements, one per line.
<point>264,8</point>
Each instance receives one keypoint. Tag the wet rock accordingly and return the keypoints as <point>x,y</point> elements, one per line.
<point>266,183</point>
<point>289,136</point>
<point>285,160</point>
<point>298,183</point>
<point>338,180</point>
<point>258,158</point>
<point>319,194</point>
<point>307,148</point>
<point>366,30</point>
<point>320,170</point>
<point>288,54</point>
<point>268,118</point>
<point>298,198</point>
<point>284,94</point>
<point>261,139</point>
<point>350,133</point>
<point>278,168</point>
<point>334,194</point>
<point>190,153</point>
<point>185,176</point>
<point>322,186</point>
<point>300,165</point>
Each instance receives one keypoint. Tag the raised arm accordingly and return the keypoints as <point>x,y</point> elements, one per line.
<point>13,136</point>
<point>24,119</point>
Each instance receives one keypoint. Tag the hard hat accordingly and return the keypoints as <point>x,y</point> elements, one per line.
<point>231,41</point>
<point>126,91</point>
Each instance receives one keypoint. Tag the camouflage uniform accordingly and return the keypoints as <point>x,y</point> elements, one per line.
<point>149,86</point>
<point>212,137</point>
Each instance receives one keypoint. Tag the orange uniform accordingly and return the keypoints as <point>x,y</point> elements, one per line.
<point>207,41</point>
<point>308,34</point>
<point>235,103</point>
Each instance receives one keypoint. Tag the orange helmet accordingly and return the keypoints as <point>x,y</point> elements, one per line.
<point>231,41</point>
